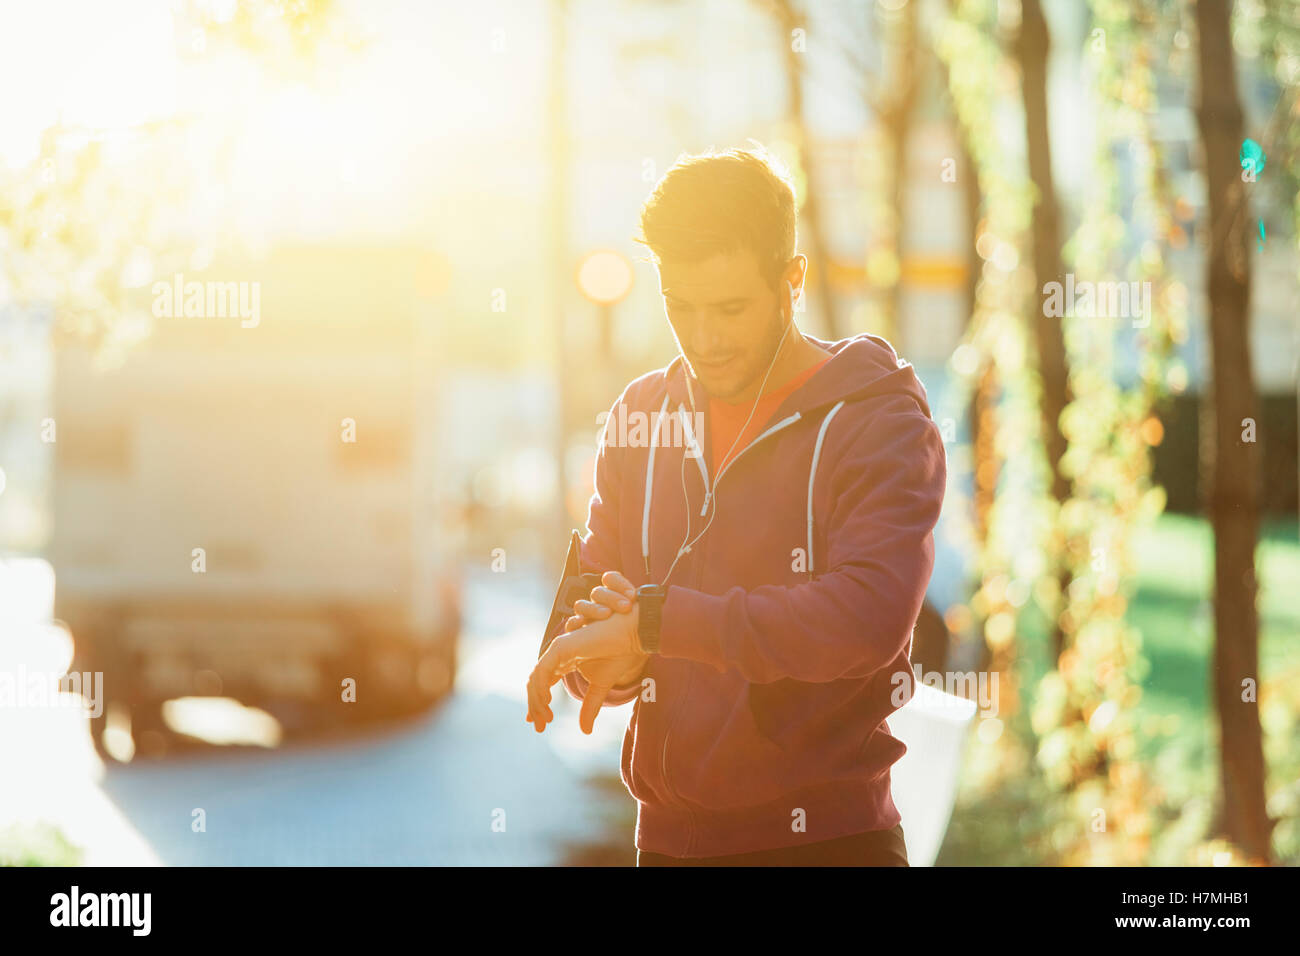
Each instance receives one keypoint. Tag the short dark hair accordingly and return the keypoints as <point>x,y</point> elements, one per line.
<point>711,203</point>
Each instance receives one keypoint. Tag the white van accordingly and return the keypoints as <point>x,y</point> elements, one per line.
<point>252,510</point>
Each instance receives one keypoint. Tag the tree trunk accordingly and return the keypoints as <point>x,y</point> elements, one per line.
<point>983,400</point>
<point>1032,49</point>
<point>810,215</point>
<point>898,121</point>
<point>1233,492</point>
<point>982,407</point>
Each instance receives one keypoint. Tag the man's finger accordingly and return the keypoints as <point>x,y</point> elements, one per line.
<point>539,692</point>
<point>539,710</point>
<point>610,598</point>
<point>591,610</point>
<point>591,701</point>
<point>573,623</point>
<point>537,716</point>
<point>616,582</point>
<point>560,658</point>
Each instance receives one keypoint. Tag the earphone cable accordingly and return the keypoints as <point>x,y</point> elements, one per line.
<point>687,541</point>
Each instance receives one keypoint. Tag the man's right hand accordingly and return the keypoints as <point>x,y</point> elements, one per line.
<point>615,594</point>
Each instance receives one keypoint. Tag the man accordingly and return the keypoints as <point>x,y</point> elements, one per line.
<point>760,584</point>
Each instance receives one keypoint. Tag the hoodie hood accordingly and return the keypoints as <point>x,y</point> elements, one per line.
<point>864,366</point>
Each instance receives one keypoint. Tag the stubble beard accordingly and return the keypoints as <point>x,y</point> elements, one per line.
<point>759,362</point>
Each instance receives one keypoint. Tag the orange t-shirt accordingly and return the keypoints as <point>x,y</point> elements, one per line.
<point>726,418</point>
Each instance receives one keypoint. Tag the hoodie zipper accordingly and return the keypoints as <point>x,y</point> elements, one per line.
<point>709,494</point>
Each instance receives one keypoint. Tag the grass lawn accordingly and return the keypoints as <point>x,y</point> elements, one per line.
<point>1172,608</point>
<point>1178,738</point>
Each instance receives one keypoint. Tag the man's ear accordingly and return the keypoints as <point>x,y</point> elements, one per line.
<point>796,276</point>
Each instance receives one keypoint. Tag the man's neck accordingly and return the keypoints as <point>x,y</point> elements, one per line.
<point>797,356</point>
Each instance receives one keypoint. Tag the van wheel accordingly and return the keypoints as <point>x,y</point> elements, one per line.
<point>436,674</point>
<point>149,732</point>
<point>98,725</point>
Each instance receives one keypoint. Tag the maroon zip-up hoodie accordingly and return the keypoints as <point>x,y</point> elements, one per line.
<point>762,722</point>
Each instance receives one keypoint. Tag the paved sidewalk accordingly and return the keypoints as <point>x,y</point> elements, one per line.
<point>426,792</point>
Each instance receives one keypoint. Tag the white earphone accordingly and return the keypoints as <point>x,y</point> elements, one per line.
<point>688,542</point>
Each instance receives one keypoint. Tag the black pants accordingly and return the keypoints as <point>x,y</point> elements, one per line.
<point>873,848</point>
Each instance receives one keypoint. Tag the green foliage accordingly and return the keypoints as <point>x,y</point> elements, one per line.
<point>91,218</point>
<point>99,214</point>
<point>1006,559</point>
<point>37,845</point>
<point>1085,712</point>
<point>1008,815</point>
<point>1082,729</point>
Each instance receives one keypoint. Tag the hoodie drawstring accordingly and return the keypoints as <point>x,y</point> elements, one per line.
<point>649,487</point>
<point>649,477</point>
<point>812,475</point>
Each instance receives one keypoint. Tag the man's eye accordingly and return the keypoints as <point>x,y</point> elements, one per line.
<point>733,310</point>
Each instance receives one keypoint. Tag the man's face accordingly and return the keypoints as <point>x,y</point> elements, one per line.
<point>727,321</point>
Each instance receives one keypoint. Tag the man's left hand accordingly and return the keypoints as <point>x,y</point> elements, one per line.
<point>614,637</point>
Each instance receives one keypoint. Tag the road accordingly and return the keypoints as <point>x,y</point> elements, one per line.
<point>468,784</point>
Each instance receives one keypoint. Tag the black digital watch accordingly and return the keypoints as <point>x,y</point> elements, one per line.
<point>650,601</point>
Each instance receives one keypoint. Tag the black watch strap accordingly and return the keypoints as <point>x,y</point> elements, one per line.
<point>650,601</point>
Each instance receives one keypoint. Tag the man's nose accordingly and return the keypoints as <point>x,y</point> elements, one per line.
<point>706,341</point>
